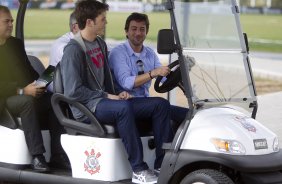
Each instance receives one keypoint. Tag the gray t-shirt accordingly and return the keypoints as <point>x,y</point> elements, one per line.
<point>94,51</point>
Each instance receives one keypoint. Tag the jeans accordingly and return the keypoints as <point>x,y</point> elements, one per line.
<point>177,115</point>
<point>124,113</point>
<point>35,114</point>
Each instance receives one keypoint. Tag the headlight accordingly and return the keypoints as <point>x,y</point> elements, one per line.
<point>276,144</point>
<point>228,146</point>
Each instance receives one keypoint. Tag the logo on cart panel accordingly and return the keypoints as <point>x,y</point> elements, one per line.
<point>91,165</point>
<point>245,123</point>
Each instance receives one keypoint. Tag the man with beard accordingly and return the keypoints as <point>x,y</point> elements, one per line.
<point>134,65</point>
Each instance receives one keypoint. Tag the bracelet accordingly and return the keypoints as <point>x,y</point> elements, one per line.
<point>150,75</point>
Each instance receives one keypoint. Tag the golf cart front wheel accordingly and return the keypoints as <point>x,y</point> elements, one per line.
<point>206,176</point>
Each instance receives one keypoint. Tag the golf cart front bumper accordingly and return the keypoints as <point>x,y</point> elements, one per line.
<point>259,169</point>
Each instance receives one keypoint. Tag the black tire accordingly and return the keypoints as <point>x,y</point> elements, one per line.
<point>206,176</point>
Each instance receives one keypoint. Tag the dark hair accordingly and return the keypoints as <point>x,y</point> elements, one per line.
<point>4,9</point>
<point>138,17</point>
<point>88,9</point>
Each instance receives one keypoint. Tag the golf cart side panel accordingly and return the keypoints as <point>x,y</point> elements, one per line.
<point>101,159</point>
<point>226,123</point>
<point>14,151</point>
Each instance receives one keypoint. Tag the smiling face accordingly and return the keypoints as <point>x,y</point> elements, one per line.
<point>6,25</point>
<point>136,33</point>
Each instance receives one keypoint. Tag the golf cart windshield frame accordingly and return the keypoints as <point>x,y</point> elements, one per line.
<point>213,54</point>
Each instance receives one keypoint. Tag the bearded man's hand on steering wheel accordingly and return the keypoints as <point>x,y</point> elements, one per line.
<point>161,71</point>
<point>173,79</point>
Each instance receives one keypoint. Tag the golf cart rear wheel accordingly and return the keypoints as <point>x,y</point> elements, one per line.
<point>206,176</point>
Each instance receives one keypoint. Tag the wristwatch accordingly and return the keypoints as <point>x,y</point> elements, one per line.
<point>150,74</point>
<point>20,91</point>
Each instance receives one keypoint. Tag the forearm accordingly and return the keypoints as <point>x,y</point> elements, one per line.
<point>142,79</point>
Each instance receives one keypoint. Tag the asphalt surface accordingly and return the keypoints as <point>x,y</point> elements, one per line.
<point>267,65</point>
<point>269,112</point>
<point>269,105</point>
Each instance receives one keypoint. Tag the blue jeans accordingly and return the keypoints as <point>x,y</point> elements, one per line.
<point>124,113</point>
<point>177,115</point>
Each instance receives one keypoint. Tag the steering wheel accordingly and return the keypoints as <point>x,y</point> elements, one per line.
<point>173,79</point>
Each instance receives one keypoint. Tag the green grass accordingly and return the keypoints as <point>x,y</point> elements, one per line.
<point>263,26</point>
<point>266,27</point>
<point>45,24</point>
<point>50,24</point>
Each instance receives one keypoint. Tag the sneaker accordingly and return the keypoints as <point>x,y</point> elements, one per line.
<point>157,171</point>
<point>144,177</point>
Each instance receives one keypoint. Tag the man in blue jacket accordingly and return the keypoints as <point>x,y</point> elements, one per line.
<point>87,78</point>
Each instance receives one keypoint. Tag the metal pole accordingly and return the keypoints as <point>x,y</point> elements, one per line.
<point>20,19</point>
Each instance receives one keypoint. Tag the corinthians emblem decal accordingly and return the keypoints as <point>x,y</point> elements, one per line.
<point>245,123</point>
<point>91,165</point>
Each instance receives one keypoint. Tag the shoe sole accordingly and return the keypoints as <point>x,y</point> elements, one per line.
<point>140,182</point>
<point>41,170</point>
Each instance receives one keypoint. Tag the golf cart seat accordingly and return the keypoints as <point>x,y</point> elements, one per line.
<point>61,108</point>
<point>14,152</point>
<point>94,142</point>
<point>36,64</point>
<point>93,127</point>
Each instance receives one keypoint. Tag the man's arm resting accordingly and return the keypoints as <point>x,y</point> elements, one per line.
<point>142,79</point>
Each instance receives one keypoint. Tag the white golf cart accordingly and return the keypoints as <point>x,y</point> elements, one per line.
<point>220,142</point>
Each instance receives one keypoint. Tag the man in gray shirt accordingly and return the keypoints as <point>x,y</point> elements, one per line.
<point>87,78</point>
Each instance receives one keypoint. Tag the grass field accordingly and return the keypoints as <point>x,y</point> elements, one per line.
<point>264,31</point>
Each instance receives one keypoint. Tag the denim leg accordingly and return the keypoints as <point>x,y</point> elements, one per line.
<point>121,113</point>
<point>158,110</point>
<point>177,115</point>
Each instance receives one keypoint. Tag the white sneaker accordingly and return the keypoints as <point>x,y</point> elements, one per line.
<point>144,177</point>
<point>157,171</point>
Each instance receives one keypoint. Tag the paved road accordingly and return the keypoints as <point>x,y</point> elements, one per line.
<point>267,65</point>
<point>263,64</point>
<point>270,113</point>
<point>269,105</point>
